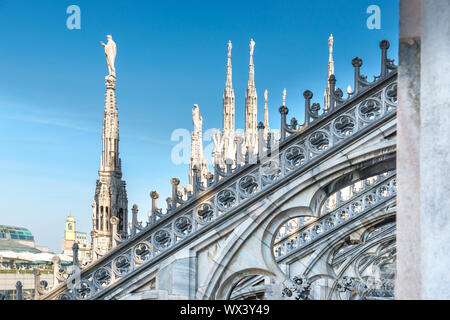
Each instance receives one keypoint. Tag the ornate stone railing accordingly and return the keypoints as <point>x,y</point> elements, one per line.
<point>369,197</point>
<point>343,126</point>
<point>362,111</point>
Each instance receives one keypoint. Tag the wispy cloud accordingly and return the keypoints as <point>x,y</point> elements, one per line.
<point>53,122</point>
<point>20,112</point>
<point>164,142</point>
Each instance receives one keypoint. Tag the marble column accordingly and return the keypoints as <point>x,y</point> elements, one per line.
<point>423,153</point>
<point>408,278</point>
<point>435,149</point>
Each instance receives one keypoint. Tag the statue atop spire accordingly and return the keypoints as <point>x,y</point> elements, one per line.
<point>228,83</point>
<point>198,161</point>
<point>330,57</point>
<point>330,72</point>
<point>266,114</point>
<point>251,66</point>
<point>251,103</point>
<point>252,46</point>
<point>110,53</point>
<point>197,118</point>
<point>284,97</point>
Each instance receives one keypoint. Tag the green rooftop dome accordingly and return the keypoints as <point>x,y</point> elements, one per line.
<point>15,233</point>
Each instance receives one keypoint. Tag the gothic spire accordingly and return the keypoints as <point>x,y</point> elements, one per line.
<point>110,199</point>
<point>251,66</point>
<point>330,72</point>
<point>266,114</point>
<point>251,97</point>
<point>228,83</point>
<point>110,161</point>
<point>330,57</point>
<point>228,97</point>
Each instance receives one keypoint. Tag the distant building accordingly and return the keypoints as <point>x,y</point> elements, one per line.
<point>71,236</point>
<point>17,246</point>
<point>19,254</point>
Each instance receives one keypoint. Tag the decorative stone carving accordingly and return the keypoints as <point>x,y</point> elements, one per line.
<point>297,289</point>
<point>110,53</point>
<point>295,157</point>
<point>248,185</point>
<point>226,199</point>
<point>319,141</point>
<point>370,110</point>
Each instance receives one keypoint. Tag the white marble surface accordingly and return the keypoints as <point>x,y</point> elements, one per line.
<point>435,150</point>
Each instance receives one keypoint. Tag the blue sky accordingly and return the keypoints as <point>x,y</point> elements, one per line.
<point>171,54</point>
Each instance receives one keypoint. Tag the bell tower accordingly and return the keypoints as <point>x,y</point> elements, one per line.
<point>69,233</point>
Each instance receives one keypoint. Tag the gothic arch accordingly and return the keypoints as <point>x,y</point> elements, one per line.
<point>226,287</point>
<point>274,212</point>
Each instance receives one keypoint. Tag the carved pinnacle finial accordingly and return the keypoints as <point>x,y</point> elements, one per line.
<point>154,195</point>
<point>251,67</point>
<point>308,95</point>
<point>384,44</point>
<point>228,83</point>
<point>252,46</point>
<point>330,58</point>
<point>266,112</point>
<point>349,89</point>
<point>110,52</point>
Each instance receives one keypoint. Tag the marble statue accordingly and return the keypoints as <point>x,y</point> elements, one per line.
<point>197,119</point>
<point>110,52</point>
<point>252,45</point>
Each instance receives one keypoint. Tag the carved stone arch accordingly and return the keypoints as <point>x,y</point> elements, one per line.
<point>362,171</point>
<point>355,256</point>
<point>333,242</point>
<point>325,250</point>
<point>226,287</point>
<point>271,229</point>
<point>239,237</point>
<point>267,210</point>
<point>388,220</point>
<point>326,290</point>
<point>319,277</point>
